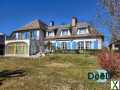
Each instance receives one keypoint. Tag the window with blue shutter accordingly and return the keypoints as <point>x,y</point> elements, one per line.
<point>26,35</point>
<point>74,45</point>
<point>96,44</point>
<point>80,45</point>
<point>23,35</point>
<point>88,44</point>
<point>58,44</point>
<point>34,35</point>
<point>69,45</point>
<point>92,44</point>
<point>54,45</point>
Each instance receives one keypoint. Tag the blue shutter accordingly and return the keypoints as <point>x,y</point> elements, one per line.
<point>68,45</point>
<point>26,35</point>
<point>23,35</point>
<point>58,44</point>
<point>54,45</point>
<point>74,45</point>
<point>92,44</point>
<point>96,44</point>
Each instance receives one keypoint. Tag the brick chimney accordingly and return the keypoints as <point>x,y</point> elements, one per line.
<point>74,21</point>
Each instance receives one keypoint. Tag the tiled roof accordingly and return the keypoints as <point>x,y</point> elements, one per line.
<point>50,28</point>
<point>94,32</point>
<point>36,24</point>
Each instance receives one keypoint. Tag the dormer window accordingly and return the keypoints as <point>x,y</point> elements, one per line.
<point>82,31</point>
<point>50,33</point>
<point>65,32</point>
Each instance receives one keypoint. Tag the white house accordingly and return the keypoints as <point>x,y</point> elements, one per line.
<point>31,39</point>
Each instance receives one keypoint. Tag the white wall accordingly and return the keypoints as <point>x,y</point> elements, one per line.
<point>92,40</point>
<point>77,40</point>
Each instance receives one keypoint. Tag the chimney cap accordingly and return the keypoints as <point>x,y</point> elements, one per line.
<point>74,17</point>
<point>51,23</point>
<point>74,21</point>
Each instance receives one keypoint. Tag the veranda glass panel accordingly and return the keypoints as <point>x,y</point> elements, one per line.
<point>11,48</point>
<point>21,48</point>
<point>17,48</point>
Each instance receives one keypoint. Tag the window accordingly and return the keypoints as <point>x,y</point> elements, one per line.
<point>64,45</point>
<point>74,44</point>
<point>88,44</point>
<point>16,48</point>
<point>54,45</point>
<point>96,44</point>
<point>20,48</point>
<point>81,31</point>
<point>17,36</point>
<point>58,44</point>
<point>64,32</point>
<point>1,39</point>
<point>50,33</point>
<point>81,45</point>
<point>34,34</point>
<point>26,35</point>
<point>10,49</point>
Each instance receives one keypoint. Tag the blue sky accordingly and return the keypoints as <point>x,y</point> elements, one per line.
<point>16,13</point>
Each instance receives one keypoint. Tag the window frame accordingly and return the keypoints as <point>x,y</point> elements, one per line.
<point>88,44</point>
<point>81,31</point>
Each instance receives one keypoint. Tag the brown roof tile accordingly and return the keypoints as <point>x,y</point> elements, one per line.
<point>36,24</point>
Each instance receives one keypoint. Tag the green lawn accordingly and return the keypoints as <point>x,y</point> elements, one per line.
<point>54,72</point>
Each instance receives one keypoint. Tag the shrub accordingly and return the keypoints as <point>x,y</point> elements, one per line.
<point>110,61</point>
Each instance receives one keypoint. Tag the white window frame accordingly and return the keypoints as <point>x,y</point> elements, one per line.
<point>79,32</point>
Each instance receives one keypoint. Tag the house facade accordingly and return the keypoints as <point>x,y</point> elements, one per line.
<point>27,40</point>
<point>37,36</point>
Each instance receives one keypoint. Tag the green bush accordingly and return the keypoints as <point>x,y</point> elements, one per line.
<point>87,51</point>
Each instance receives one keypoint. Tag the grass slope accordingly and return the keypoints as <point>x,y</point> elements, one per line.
<point>54,72</point>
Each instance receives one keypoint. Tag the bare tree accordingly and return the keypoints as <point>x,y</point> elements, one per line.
<point>113,22</point>
<point>113,6</point>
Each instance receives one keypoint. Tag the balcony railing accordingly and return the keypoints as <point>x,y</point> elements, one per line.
<point>9,38</point>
